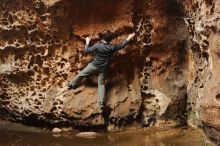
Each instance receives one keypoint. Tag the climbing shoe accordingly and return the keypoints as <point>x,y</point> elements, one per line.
<point>71,86</point>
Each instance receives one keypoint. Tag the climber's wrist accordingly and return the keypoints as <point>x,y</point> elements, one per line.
<point>130,36</point>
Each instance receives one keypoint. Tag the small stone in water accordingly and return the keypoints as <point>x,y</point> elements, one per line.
<point>88,134</point>
<point>67,129</point>
<point>56,130</point>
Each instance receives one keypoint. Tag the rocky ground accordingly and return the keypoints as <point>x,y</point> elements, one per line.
<point>167,76</point>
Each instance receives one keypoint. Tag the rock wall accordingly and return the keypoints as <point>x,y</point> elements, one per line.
<point>164,77</point>
<point>203,21</point>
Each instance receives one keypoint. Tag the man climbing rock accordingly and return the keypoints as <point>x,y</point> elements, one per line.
<point>103,54</point>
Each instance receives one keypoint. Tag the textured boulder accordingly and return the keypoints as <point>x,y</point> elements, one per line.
<point>167,76</point>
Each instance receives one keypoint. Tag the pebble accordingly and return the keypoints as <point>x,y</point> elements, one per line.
<point>88,134</point>
<point>70,129</point>
<point>56,130</point>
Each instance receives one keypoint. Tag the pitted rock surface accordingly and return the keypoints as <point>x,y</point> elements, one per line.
<point>167,76</point>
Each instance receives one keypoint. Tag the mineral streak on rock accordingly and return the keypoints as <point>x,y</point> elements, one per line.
<point>167,76</point>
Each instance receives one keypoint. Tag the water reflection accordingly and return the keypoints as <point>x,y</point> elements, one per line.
<point>152,137</point>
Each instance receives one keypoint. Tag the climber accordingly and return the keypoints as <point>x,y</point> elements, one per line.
<point>103,54</point>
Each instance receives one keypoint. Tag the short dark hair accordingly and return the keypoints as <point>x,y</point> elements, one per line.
<point>108,36</point>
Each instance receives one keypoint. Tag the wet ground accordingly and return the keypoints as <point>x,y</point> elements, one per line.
<point>12,134</point>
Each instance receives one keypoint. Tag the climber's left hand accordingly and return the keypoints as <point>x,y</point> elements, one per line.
<point>88,39</point>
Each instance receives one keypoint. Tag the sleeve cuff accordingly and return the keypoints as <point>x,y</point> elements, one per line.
<point>86,47</point>
<point>126,41</point>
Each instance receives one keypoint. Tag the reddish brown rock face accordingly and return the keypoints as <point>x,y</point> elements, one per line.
<point>47,50</point>
<point>166,75</point>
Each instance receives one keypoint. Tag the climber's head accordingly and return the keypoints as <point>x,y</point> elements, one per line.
<point>108,36</point>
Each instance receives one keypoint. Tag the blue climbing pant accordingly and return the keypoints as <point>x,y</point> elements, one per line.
<point>88,70</point>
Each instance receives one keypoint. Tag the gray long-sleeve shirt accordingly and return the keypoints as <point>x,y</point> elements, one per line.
<point>103,53</point>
